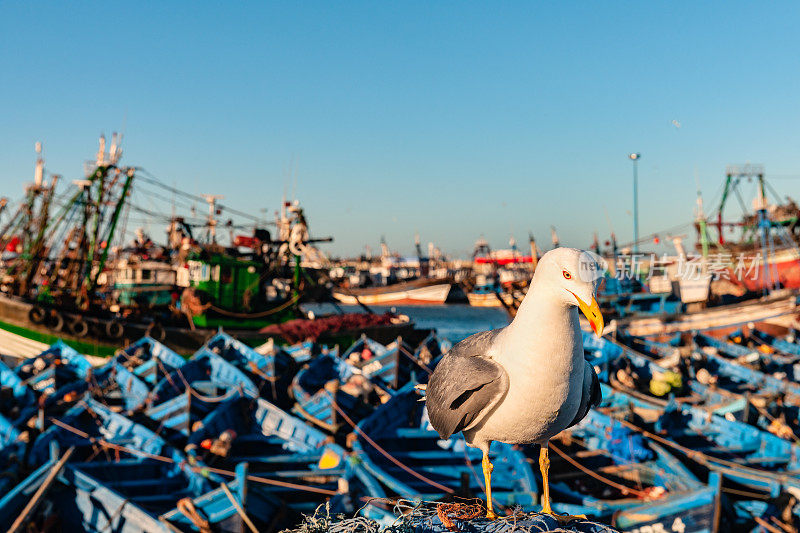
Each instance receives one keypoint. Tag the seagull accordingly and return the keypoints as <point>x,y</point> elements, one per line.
<point>528,381</point>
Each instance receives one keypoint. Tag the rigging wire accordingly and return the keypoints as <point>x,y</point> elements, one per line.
<point>150,178</point>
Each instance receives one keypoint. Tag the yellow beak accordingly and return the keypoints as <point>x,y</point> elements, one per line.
<point>592,314</point>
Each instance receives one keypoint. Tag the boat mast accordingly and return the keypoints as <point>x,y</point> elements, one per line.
<point>34,249</point>
<point>106,243</point>
<point>212,212</point>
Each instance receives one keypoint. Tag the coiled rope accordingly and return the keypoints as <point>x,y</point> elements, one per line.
<point>261,314</point>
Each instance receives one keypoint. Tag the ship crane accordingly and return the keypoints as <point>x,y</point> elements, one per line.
<point>760,233</point>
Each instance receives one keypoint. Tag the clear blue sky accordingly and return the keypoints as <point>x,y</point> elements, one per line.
<point>454,119</point>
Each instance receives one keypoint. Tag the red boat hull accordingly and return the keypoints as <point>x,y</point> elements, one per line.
<point>784,267</point>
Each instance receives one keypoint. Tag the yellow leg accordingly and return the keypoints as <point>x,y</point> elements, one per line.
<point>544,466</point>
<point>487,478</point>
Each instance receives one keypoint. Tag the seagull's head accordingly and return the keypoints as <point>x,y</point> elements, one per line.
<point>573,276</point>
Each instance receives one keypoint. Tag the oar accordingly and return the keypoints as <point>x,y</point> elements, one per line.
<point>34,501</point>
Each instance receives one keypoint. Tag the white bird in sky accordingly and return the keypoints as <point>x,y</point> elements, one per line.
<point>527,382</point>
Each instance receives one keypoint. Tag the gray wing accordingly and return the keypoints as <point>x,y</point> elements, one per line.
<point>592,395</point>
<point>464,383</point>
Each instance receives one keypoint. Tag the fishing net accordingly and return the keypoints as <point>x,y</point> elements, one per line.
<point>301,329</point>
<point>436,517</point>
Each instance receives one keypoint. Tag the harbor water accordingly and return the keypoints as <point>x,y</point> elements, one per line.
<point>453,322</point>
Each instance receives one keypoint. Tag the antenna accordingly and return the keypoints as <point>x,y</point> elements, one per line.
<point>115,152</point>
<point>699,215</point>
<point>554,237</point>
<point>101,152</point>
<point>39,172</point>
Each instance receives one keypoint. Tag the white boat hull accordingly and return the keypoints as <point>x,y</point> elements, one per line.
<point>428,295</point>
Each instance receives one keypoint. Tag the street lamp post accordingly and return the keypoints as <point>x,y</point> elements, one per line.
<point>635,158</point>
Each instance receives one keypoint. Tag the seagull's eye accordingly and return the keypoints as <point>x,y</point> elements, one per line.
<point>567,275</point>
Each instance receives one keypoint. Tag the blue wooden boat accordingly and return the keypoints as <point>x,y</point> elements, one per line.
<point>205,371</point>
<point>743,354</point>
<point>116,385</point>
<point>779,366</point>
<point>17,495</point>
<point>54,367</point>
<point>149,360</point>
<point>617,477</point>
<point>17,400</point>
<point>301,352</point>
<point>278,446</point>
<point>430,350</point>
<point>94,420</point>
<point>759,351</point>
<point>744,455</point>
<point>12,455</point>
<point>757,399</point>
<point>747,379</point>
<point>186,395</point>
<point>627,304</point>
<point>786,346</point>
<point>730,374</point>
<point>328,377</point>
<point>143,484</point>
<point>647,379</point>
<point>391,366</point>
<point>401,429</point>
<point>62,375</point>
<point>272,373</point>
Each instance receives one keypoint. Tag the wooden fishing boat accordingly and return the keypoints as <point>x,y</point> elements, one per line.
<point>489,292</point>
<point>143,484</point>
<point>12,455</point>
<point>736,392</point>
<point>149,360</point>
<point>778,308</point>
<point>745,456</point>
<point>299,466</point>
<point>189,393</point>
<point>603,470</point>
<point>639,375</point>
<point>417,292</point>
<point>61,373</point>
<point>390,366</point>
<point>725,373</point>
<point>639,304</point>
<point>330,384</point>
<point>783,345</point>
<point>301,352</point>
<point>489,298</point>
<point>13,501</point>
<point>272,373</point>
<point>749,379</point>
<point>423,467</point>
<point>17,400</point>
<point>15,317</point>
<point>771,363</point>
<point>205,371</point>
<point>430,350</point>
